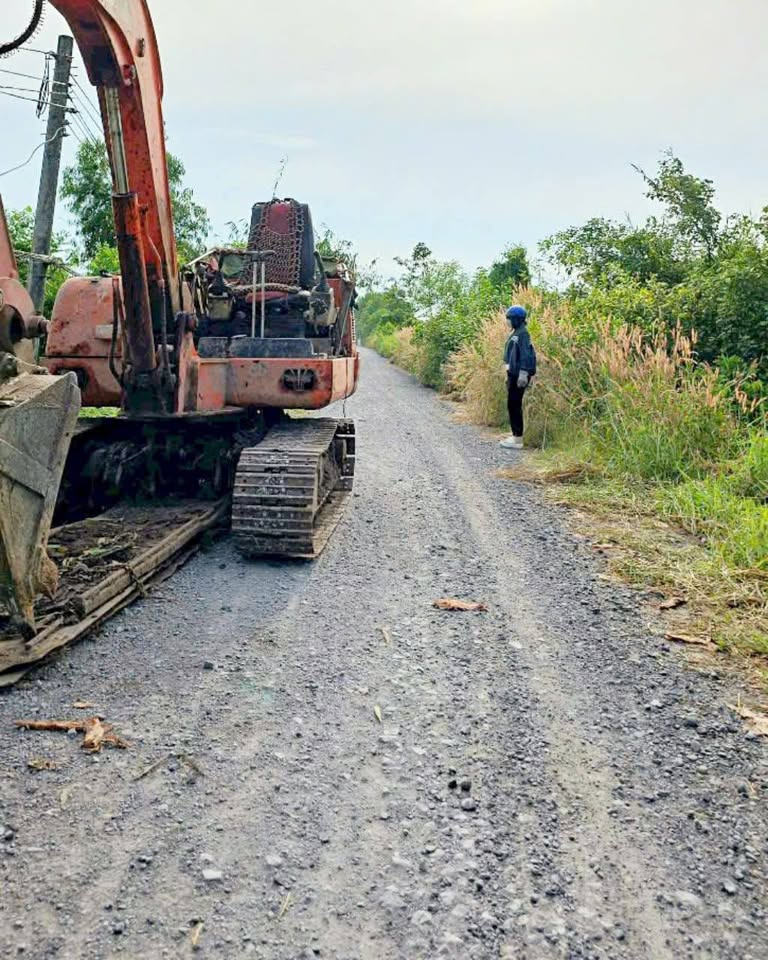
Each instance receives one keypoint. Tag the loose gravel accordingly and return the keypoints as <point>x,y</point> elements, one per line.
<point>352,774</point>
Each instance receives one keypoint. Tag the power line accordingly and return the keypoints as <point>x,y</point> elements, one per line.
<point>84,129</point>
<point>29,158</point>
<point>94,112</point>
<point>46,53</point>
<point>76,135</point>
<point>28,76</point>
<point>4,86</point>
<point>18,96</point>
<point>85,116</point>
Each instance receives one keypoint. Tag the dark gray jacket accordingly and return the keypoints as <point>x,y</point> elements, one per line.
<point>519,353</point>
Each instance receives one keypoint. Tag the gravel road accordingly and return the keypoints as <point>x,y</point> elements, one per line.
<point>375,779</point>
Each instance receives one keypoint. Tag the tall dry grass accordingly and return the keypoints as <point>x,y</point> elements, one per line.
<point>635,408</point>
<point>640,405</point>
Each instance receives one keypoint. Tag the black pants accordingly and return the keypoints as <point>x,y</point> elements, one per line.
<point>515,396</point>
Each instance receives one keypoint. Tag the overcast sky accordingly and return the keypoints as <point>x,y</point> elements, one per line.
<point>466,125</point>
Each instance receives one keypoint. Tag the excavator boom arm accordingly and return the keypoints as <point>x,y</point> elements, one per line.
<point>118,44</point>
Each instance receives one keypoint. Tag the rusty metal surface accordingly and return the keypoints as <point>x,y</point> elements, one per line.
<point>119,47</point>
<point>38,413</point>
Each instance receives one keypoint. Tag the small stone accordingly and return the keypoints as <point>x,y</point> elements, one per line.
<point>273,860</point>
<point>687,899</point>
<point>211,876</point>
<point>730,887</point>
<point>466,785</point>
<point>453,784</point>
<point>468,804</point>
<point>209,665</point>
<point>420,918</point>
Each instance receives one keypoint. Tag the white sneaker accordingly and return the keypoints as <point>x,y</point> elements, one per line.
<point>512,443</point>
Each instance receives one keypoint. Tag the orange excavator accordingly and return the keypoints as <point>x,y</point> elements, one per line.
<point>204,362</point>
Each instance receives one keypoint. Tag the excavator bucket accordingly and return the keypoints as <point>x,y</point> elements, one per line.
<point>38,413</point>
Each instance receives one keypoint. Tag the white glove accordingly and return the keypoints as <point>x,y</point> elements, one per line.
<point>522,379</point>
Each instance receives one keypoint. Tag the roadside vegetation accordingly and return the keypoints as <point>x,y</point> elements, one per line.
<point>89,247</point>
<point>650,411</point>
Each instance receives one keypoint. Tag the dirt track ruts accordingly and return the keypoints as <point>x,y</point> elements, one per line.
<point>615,807</point>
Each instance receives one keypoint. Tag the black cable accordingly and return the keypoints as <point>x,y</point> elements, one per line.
<point>45,89</point>
<point>30,30</point>
<point>83,128</point>
<point>84,116</point>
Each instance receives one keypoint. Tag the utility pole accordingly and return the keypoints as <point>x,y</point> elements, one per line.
<point>49,175</point>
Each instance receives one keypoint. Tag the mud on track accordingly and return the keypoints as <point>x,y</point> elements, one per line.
<point>612,808</point>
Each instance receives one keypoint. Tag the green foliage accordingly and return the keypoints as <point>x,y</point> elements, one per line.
<point>379,308</point>
<point>456,322</point>
<point>21,226</point>
<point>736,526</point>
<point>430,285</point>
<point>604,254</point>
<point>87,190</point>
<point>511,270</point>
<point>689,203</point>
<point>190,219</point>
<point>328,244</point>
<point>104,260</point>
<point>689,267</point>
<point>626,409</point>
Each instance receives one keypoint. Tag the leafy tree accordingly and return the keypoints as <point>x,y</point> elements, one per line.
<point>380,307</point>
<point>511,269</point>
<point>688,266</point>
<point>689,202</point>
<point>87,189</point>
<point>429,284</point>
<point>105,260</point>
<point>603,252</point>
<point>21,225</point>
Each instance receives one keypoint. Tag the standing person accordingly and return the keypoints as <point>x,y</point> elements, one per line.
<point>520,361</point>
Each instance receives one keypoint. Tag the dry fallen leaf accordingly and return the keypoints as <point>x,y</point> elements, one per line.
<point>377,712</point>
<point>449,603</point>
<point>286,903</point>
<point>196,933</point>
<point>386,634</point>
<point>688,638</point>
<point>83,705</point>
<point>96,732</point>
<point>42,763</point>
<point>672,603</point>
<point>756,723</point>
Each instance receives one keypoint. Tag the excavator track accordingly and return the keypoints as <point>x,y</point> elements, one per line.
<point>291,490</point>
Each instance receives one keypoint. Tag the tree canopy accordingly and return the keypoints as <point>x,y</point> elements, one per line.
<point>87,190</point>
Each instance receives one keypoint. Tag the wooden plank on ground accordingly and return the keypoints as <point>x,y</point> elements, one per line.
<point>120,585</point>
